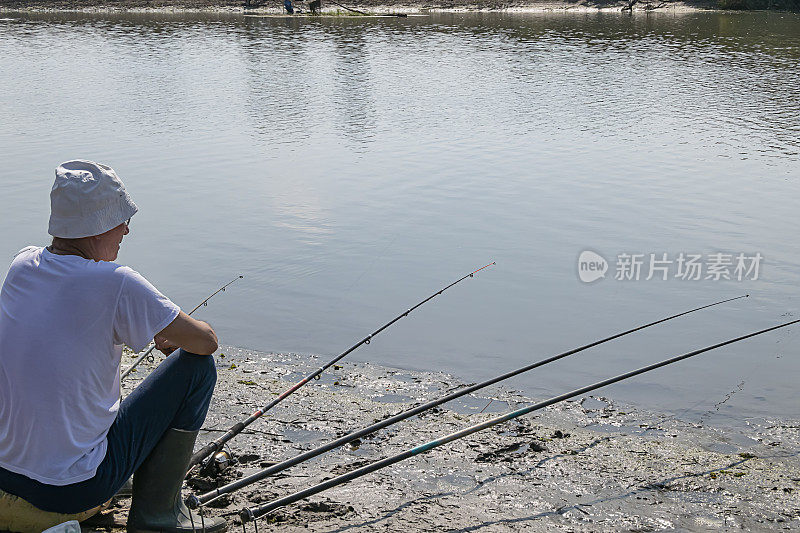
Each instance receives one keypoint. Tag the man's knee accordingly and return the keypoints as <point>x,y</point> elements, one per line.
<point>202,366</point>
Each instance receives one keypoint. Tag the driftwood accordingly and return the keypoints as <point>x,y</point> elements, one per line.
<point>648,6</point>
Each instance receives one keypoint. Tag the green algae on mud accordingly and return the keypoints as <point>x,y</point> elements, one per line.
<point>578,466</point>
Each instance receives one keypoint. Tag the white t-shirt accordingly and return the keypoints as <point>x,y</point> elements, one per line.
<point>63,321</point>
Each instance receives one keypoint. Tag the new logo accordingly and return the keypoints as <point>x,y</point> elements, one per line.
<point>591,266</point>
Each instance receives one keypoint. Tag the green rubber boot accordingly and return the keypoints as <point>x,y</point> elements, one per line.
<point>157,505</point>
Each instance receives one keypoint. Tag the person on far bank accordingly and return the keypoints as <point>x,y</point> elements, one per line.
<point>67,442</point>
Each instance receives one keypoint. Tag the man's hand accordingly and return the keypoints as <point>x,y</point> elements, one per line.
<point>163,345</point>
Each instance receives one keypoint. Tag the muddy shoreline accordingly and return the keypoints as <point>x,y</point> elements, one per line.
<point>584,465</point>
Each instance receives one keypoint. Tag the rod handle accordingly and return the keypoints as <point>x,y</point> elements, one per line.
<point>202,453</point>
<point>246,515</point>
<point>192,501</point>
<point>213,446</point>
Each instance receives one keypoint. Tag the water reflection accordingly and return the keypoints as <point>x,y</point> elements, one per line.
<point>354,94</point>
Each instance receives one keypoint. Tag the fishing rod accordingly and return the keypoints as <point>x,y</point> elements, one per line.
<point>195,501</point>
<point>250,514</point>
<point>216,445</point>
<point>204,302</point>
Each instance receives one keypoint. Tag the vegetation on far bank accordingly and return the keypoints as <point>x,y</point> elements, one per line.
<point>415,5</point>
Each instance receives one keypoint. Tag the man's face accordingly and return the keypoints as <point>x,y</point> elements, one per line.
<point>107,244</point>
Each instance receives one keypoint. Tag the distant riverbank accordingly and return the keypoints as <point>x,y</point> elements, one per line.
<point>400,6</point>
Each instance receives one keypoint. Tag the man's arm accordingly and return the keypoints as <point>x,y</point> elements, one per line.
<point>185,332</point>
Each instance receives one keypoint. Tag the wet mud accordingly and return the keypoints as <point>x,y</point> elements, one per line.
<point>584,465</point>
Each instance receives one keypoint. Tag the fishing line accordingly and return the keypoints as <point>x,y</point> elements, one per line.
<point>205,454</point>
<point>755,370</point>
<point>715,408</point>
<point>299,318</point>
<point>194,501</point>
<point>250,514</point>
<point>374,260</point>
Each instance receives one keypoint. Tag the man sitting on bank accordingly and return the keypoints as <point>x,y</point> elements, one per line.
<point>67,442</point>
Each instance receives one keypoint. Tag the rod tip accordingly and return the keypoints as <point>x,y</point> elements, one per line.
<point>747,296</point>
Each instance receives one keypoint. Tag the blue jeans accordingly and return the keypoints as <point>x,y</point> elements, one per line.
<point>175,395</point>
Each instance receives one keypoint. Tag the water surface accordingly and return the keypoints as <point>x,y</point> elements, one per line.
<point>350,167</point>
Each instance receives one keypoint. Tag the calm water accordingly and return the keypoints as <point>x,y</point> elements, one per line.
<point>350,167</point>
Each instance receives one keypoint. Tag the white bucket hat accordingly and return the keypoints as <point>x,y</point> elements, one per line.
<point>87,199</point>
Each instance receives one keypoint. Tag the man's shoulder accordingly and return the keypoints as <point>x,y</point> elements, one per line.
<point>118,269</point>
<point>132,278</point>
<point>127,281</point>
<point>28,256</point>
<point>126,272</point>
<point>106,268</point>
<point>123,275</point>
<point>28,252</point>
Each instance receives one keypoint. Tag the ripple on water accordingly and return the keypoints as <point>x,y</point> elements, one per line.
<point>348,168</point>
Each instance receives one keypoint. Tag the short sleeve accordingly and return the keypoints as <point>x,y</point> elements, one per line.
<point>141,311</point>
